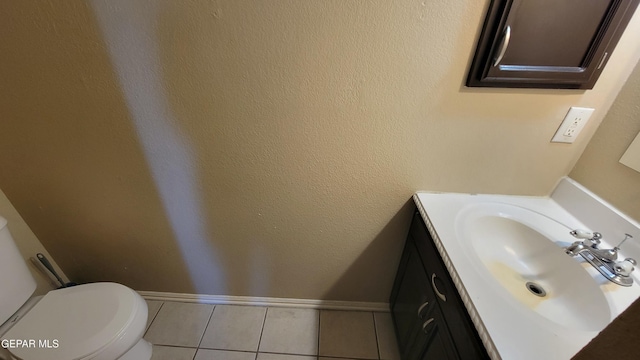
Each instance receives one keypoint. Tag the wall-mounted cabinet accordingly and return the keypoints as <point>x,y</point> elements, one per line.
<point>561,44</point>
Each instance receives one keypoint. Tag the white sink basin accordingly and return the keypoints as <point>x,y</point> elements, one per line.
<point>492,245</point>
<point>518,252</point>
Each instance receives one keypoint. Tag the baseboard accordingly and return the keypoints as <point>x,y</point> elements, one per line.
<point>266,301</point>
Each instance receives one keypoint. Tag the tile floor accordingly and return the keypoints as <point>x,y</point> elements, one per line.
<point>188,331</point>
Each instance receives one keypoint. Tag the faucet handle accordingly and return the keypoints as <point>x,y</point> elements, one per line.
<point>624,267</point>
<point>591,239</point>
<point>587,235</point>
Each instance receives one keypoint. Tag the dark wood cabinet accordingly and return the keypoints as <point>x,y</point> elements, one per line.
<point>430,320</point>
<point>548,43</point>
<point>419,323</point>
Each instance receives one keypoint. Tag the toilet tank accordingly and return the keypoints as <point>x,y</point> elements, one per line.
<point>16,282</point>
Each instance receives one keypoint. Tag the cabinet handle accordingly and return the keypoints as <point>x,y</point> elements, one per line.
<point>503,46</point>
<point>426,323</point>
<point>435,288</point>
<point>422,308</point>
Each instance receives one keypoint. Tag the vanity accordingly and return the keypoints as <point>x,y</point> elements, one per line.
<point>489,276</point>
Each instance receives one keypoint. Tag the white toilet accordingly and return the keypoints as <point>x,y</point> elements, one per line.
<point>101,321</point>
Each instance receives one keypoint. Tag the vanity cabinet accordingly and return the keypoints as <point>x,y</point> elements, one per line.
<point>430,319</point>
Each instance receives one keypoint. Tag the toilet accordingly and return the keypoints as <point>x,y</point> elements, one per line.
<point>99,321</point>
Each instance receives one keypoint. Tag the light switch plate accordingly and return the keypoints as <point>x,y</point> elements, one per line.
<point>572,124</point>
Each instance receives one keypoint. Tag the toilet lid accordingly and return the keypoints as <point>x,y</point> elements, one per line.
<point>74,322</point>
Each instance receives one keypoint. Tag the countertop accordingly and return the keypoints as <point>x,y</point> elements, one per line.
<point>505,329</point>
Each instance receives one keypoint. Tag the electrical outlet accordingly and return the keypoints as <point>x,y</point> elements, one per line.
<point>572,124</point>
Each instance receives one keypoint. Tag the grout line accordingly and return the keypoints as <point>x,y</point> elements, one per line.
<point>152,320</point>
<point>375,331</point>
<point>176,346</point>
<point>206,327</point>
<point>196,352</point>
<point>222,349</point>
<point>227,350</point>
<point>309,356</point>
<point>264,321</point>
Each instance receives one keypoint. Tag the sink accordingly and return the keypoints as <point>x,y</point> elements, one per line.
<point>493,245</point>
<point>519,253</point>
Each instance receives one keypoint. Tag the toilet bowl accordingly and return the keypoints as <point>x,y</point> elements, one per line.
<point>99,321</point>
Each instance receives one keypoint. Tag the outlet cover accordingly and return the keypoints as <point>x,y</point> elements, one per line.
<point>572,124</point>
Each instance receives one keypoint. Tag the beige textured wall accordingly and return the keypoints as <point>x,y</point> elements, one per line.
<point>260,148</point>
<point>29,246</point>
<point>599,168</point>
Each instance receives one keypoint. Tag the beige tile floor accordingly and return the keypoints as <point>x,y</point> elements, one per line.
<point>188,331</point>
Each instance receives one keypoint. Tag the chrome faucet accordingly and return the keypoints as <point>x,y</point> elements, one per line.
<point>603,260</point>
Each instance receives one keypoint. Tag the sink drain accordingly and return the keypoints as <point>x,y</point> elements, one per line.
<point>536,289</point>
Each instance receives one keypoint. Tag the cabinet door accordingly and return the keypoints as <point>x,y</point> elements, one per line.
<point>412,302</point>
<point>434,339</point>
<point>548,43</point>
<point>420,326</point>
<point>458,322</point>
